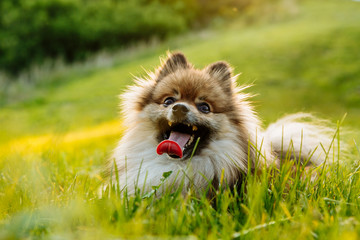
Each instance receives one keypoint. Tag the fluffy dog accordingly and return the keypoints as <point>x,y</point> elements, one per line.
<point>198,125</point>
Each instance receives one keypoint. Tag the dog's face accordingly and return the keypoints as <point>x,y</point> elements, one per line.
<point>186,105</point>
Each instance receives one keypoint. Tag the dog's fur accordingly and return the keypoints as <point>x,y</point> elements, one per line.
<point>231,137</point>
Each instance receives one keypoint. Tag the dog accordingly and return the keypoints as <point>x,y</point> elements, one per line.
<point>200,127</point>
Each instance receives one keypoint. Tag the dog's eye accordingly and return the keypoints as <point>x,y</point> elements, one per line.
<point>168,101</point>
<point>203,107</point>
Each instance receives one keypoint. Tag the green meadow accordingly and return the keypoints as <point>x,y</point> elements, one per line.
<point>56,134</point>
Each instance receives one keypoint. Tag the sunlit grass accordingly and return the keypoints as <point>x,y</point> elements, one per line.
<point>56,137</point>
<point>55,194</point>
<point>69,140</point>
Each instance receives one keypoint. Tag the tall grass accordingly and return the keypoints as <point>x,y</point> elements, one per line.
<point>56,135</point>
<point>52,195</point>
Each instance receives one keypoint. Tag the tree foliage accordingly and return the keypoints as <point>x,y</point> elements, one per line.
<point>34,30</point>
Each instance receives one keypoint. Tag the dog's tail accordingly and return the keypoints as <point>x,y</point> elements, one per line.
<point>303,137</point>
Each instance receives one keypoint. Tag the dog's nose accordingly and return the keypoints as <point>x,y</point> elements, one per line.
<point>180,110</point>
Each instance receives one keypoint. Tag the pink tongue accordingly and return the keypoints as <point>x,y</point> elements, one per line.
<point>174,145</point>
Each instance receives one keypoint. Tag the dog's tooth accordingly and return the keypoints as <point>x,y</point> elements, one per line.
<point>170,123</point>
<point>194,128</point>
<point>190,140</point>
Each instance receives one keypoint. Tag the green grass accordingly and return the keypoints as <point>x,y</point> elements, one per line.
<point>56,135</point>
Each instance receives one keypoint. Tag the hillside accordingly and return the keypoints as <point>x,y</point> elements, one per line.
<point>56,134</point>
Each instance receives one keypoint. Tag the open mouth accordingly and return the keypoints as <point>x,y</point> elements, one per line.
<point>178,139</point>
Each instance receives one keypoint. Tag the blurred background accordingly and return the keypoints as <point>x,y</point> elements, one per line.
<point>36,30</point>
<point>63,64</point>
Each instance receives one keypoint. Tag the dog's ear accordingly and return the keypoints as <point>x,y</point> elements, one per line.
<point>221,71</point>
<point>174,61</point>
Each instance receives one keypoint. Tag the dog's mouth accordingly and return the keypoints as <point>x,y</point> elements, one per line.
<point>178,140</point>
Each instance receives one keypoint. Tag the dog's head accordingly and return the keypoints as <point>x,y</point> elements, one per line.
<point>184,105</point>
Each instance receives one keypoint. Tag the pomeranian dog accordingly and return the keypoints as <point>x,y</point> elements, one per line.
<point>198,125</point>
